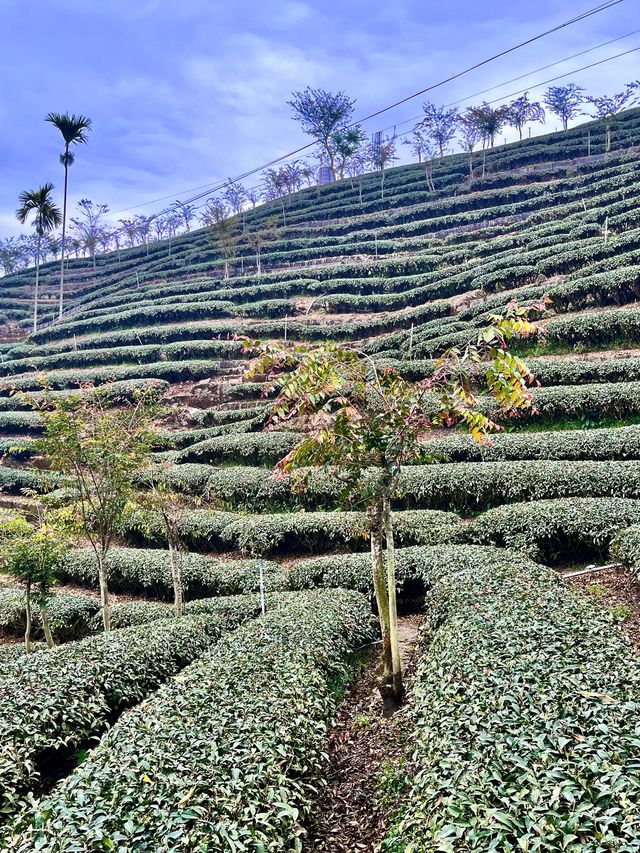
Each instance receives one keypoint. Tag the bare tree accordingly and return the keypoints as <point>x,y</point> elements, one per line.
<point>90,224</point>
<point>470,135</point>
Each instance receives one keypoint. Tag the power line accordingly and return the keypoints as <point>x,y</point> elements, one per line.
<point>544,82</point>
<point>521,77</point>
<point>602,7</point>
<point>589,13</point>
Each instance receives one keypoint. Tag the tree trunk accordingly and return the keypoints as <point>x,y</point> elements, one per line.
<point>64,231</point>
<point>27,630</point>
<point>380,588</point>
<point>396,663</point>
<point>104,590</point>
<point>46,626</point>
<point>258,264</point>
<point>35,298</point>
<point>471,164</point>
<point>176,577</point>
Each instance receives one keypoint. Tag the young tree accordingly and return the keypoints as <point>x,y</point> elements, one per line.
<point>187,213</point>
<point>89,225</point>
<point>607,108</point>
<point>364,424</point>
<point>381,156</point>
<point>521,111</point>
<point>130,230</point>
<point>223,228</point>
<point>74,130</point>
<point>257,236</point>
<point>9,255</point>
<point>235,195</point>
<point>161,502</point>
<point>488,121</point>
<point>46,217</point>
<point>470,135</point>
<point>96,450</point>
<point>33,553</point>
<point>345,143</point>
<point>564,102</point>
<point>440,125</point>
<point>320,114</point>
<point>419,144</point>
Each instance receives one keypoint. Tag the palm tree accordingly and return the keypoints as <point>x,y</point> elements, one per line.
<point>46,217</point>
<point>74,130</point>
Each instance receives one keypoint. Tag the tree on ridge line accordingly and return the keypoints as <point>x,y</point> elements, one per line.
<point>74,130</point>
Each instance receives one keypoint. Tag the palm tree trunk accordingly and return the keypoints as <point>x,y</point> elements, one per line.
<point>64,230</point>
<point>35,298</point>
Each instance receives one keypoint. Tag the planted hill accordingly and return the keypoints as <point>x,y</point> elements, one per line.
<point>402,278</point>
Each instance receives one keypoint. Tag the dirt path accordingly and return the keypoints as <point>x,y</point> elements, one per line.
<point>617,590</point>
<point>366,758</point>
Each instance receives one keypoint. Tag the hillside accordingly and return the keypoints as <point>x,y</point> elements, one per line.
<point>509,653</point>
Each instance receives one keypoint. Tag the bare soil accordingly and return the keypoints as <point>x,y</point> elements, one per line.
<point>618,589</point>
<point>367,754</point>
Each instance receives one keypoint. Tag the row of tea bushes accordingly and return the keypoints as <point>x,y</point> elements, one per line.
<point>141,571</point>
<point>594,444</point>
<point>462,487</point>
<point>552,531</point>
<point>525,733</point>
<point>264,535</point>
<point>70,616</point>
<point>57,701</point>
<point>233,751</point>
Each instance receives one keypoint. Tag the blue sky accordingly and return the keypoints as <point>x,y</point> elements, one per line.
<point>187,92</point>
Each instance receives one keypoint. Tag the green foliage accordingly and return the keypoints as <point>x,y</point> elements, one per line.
<point>62,698</point>
<point>551,763</point>
<point>556,530</point>
<point>148,572</point>
<point>273,685</point>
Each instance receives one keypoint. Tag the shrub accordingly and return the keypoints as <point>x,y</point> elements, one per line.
<point>262,702</point>
<point>477,485</point>
<point>148,572</point>
<point>70,615</point>
<point>556,530</point>
<point>524,721</point>
<point>594,444</point>
<point>245,449</point>
<point>625,547</point>
<point>311,531</point>
<point>57,701</point>
<point>416,569</point>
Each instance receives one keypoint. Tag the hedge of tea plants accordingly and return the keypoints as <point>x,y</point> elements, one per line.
<point>232,751</point>
<point>524,721</point>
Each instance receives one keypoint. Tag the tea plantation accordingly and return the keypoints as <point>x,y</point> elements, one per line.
<point>209,732</point>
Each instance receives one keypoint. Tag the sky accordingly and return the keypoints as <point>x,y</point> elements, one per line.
<point>185,93</point>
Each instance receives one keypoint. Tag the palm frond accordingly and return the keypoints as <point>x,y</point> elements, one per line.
<point>74,128</point>
<point>46,213</point>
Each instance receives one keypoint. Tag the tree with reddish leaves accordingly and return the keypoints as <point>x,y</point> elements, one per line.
<point>362,424</point>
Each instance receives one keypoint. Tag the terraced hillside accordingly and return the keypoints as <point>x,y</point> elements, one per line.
<point>525,697</point>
